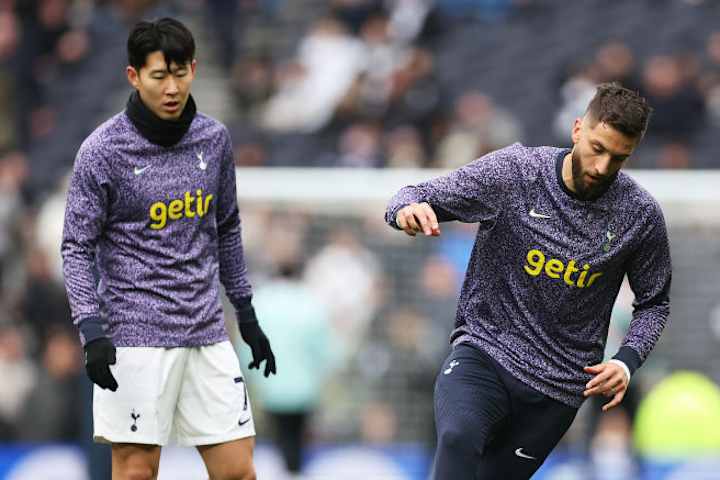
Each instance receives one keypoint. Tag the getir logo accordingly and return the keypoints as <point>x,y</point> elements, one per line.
<point>176,209</point>
<point>536,264</point>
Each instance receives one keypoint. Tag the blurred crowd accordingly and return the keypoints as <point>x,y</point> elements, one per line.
<point>420,83</point>
<point>366,83</point>
<point>386,303</point>
<point>339,83</point>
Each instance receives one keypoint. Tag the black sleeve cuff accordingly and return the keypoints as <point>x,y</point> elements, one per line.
<point>91,328</point>
<point>245,312</point>
<point>629,357</point>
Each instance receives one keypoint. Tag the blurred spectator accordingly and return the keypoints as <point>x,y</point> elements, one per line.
<point>710,83</point>
<point>346,276</point>
<point>408,19</point>
<point>360,146</point>
<point>52,409</point>
<point>8,46</point>
<point>44,306</point>
<point>479,127</point>
<point>674,417</point>
<point>251,82</point>
<point>310,89</point>
<point>611,447</point>
<point>575,94</point>
<point>416,96</point>
<point>354,13</point>
<point>404,148</point>
<point>283,241</point>
<point>383,57</point>
<point>673,97</point>
<point>613,62</point>
<point>378,423</point>
<point>13,173</point>
<point>48,231</point>
<point>19,379</point>
<point>679,109</point>
<point>439,288</point>
<point>250,154</point>
<point>303,341</point>
<point>609,434</point>
<point>404,382</point>
<point>226,23</point>
<point>43,25</point>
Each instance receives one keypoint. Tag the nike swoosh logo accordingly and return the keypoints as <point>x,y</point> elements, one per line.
<point>138,171</point>
<point>241,423</point>
<point>520,454</point>
<point>535,214</point>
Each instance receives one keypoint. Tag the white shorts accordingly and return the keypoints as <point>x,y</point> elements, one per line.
<point>185,395</point>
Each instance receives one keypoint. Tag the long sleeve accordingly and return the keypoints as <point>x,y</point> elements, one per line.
<point>649,273</point>
<point>85,216</point>
<point>151,235</point>
<point>473,193</point>
<point>233,270</point>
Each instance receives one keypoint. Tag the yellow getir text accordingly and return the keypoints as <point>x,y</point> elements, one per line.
<point>537,264</point>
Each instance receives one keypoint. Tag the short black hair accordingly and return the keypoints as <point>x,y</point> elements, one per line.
<point>167,35</point>
<point>621,108</point>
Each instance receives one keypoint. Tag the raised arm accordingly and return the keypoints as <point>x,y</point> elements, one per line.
<point>473,193</point>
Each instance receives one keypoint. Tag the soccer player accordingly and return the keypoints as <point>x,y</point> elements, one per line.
<point>558,229</point>
<point>152,214</point>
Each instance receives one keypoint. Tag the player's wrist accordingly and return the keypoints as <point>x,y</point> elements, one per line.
<point>622,365</point>
<point>246,316</point>
<point>629,357</point>
<point>91,328</point>
<point>395,218</point>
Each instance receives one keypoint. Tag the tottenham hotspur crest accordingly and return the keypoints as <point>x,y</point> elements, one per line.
<point>135,417</point>
<point>609,237</point>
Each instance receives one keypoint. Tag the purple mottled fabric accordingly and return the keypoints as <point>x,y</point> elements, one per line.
<point>546,267</point>
<point>151,231</point>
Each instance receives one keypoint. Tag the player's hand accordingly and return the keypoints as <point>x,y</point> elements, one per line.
<point>259,344</point>
<point>609,380</point>
<point>99,355</point>
<point>418,217</point>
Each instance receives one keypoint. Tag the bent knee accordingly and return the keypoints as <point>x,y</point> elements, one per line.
<point>453,438</point>
<point>139,473</point>
<point>246,472</point>
<point>463,436</point>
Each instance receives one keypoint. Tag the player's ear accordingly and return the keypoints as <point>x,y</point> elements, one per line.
<point>133,77</point>
<point>576,130</point>
<point>193,66</point>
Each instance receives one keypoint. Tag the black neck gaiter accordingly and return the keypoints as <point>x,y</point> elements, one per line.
<point>158,131</point>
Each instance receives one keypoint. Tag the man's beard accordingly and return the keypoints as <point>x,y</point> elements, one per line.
<point>582,189</point>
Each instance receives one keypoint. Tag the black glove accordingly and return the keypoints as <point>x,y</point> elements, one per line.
<point>259,345</point>
<point>99,355</point>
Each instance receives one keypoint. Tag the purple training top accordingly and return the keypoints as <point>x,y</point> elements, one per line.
<point>161,227</point>
<point>546,267</point>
